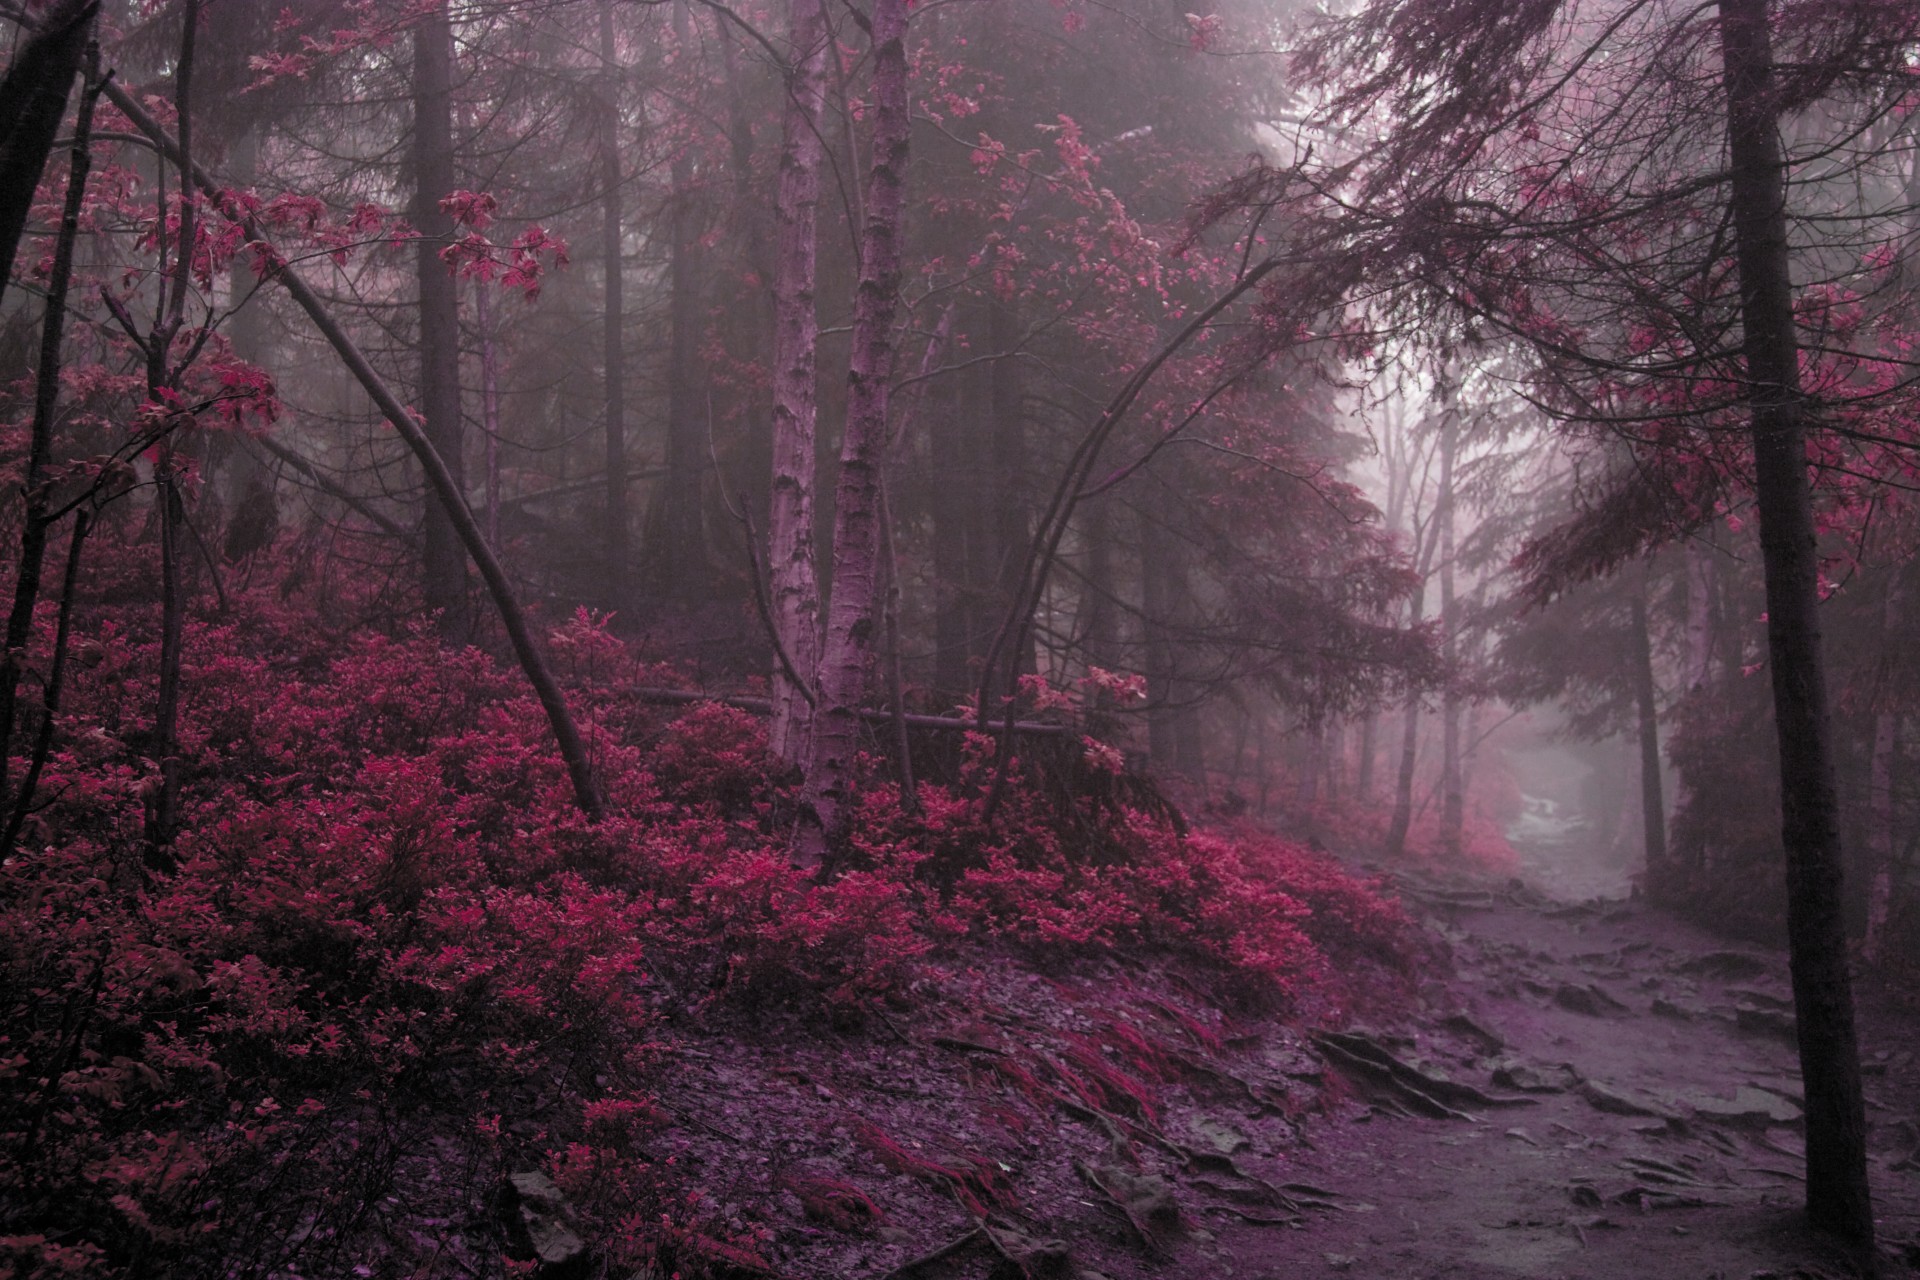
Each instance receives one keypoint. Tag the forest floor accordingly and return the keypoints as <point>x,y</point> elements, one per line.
<point>1662,1136</point>
<point>1591,1089</point>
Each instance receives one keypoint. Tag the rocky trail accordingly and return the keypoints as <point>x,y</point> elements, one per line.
<point>1589,1090</point>
<point>1637,1112</point>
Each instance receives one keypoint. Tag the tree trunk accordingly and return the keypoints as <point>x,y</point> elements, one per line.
<point>896,675</point>
<point>251,504</point>
<point>163,381</point>
<point>614,542</point>
<point>678,555</point>
<point>1653,809</point>
<point>163,803</point>
<point>1363,775</point>
<point>1452,798</point>
<point>794,588</point>
<point>1880,772</point>
<point>46,398</point>
<point>955,509</point>
<point>1691,856</point>
<point>849,645</point>
<point>1156,614</point>
<point>1886,750</point>
<point>1838,1198</point>
<point>1312,754</point>
<point>1003,510</point>
<point>33,101</point>
<point>1409,750</point>
<point>443,570</point>
<point>1099,616</point>
<point>56,686</point>
<point>489,406</point>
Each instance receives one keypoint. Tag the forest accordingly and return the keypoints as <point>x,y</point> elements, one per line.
<point>959,638</point>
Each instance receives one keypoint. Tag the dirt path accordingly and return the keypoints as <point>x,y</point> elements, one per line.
<point>1646,1123</point>
<point>1590,1090</point>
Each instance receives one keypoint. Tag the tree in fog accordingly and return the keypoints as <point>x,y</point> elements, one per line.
<point>1548,179</point>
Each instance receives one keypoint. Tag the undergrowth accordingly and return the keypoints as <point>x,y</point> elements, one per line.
<point>389,951</point>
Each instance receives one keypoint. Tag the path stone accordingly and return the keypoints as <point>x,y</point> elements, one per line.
<point>1618,1102</point>
<point>1748,1107</point>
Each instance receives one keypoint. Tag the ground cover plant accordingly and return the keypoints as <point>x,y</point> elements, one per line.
<point>384,926</point>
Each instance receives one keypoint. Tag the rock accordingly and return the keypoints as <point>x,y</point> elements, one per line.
<point>1605,1098</point>
<point>1668,1009</point>
<point>1481,1038</point>
<point>1766,1022</point>
<point>1042,1259</point>
<point>541,1224</point>
<point>1747,1108</point>
<point>1761,999</point>
<point>1211,1135</point>
<point>1147,1200</point>
<point>1734,966</point>
<point>1522,1078</point>
<point>1589,1000</point>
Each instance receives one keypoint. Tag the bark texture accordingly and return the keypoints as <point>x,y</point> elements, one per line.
<point>1653,809</point>
<point>613,320</point>
<point>46,396</point>
<point>680,527</point>
<point>33,99</point>
<point>442,569</point>
<point>794,588</point>
<point>1452,793</point>
<point>1838,1200</point>
<point>857,498</point>
<point>1402,818</point>
<point>1881,767</point>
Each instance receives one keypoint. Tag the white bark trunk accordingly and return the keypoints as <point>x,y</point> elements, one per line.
<point>794,589</point>
<point>856,536</point>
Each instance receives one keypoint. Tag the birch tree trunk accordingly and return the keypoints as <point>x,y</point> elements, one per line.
<point>1838,1199</point>
<point>857,498</point>
<point>794,587</point>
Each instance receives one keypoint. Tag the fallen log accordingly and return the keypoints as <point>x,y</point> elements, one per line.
<point>873,715</point>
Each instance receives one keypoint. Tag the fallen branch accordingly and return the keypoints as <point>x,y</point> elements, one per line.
<point>328,486</point>
<point>873,715</point>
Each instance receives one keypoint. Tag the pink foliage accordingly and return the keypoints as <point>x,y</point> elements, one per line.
<point>384,895</point>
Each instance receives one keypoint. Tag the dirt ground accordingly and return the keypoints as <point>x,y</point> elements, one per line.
<point>1594,1092</point>
<point>1662,1137</point>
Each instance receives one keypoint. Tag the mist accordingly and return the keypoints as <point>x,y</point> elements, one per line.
<point>934,639</point>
